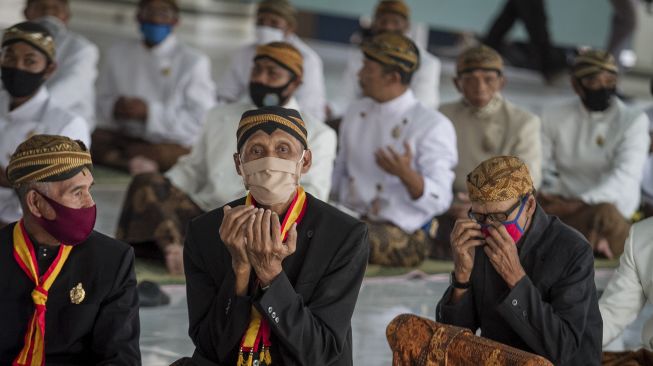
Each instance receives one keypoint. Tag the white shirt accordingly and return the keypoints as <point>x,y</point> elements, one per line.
<point>596,157</point>
<point>233,86</point>
<point>631,286</point>
<point>173,79</point>
<point>358,180</point>
<point>39,115</point>
<point>72,85</point>
<point>425,82</point>
<point>208,174</point>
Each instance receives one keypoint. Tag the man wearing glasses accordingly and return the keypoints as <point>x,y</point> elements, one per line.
<point>153,94</point>
<point>594,150</point>
<point>521,276</point>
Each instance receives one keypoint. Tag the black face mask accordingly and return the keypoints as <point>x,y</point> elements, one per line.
<point>19,83</point>
<point>598,100</point>
<point>267,96</point>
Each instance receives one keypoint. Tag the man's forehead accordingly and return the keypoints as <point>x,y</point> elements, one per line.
<point>268,63</point>
<point>277,135</point>
<point>21,47</point>
<point>493,206</point>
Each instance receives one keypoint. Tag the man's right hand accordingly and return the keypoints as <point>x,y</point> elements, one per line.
<point>232,233</point>
<point>465,237</point>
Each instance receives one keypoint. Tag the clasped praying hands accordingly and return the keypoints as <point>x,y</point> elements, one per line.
<point>254,240</point>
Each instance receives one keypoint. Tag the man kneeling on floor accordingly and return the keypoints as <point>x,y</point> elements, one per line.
<point>272,278</point>
<point>521,276</point>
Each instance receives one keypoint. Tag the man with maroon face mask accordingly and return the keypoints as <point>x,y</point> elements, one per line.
<point>278,266</point>
<point>522,277</point>
<point>69,293</point>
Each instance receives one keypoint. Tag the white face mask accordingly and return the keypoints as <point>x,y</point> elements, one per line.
<point>265,35</point>
<point>271,180</point>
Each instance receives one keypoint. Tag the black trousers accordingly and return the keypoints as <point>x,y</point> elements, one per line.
<point>533,15</point>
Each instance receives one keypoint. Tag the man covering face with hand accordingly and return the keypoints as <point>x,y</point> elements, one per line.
<point>521,276</point>
<point>278,265</point>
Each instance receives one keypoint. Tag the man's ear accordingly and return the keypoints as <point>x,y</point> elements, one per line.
<point>293,86</point>
<point>456,83</point>
<point>576,86</point>
<point>50,69</point>
<point>308,161</point>
<point>39,207</point>
<point>237,163</point>
<point>531,205</point>
<point>502,82</point>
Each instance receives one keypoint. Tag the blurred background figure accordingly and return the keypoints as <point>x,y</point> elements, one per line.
<point>73,84</point>
<point>152,95</point>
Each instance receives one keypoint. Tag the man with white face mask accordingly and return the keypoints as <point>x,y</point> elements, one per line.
<point>276,22</point>
<point>73,84</point>
<point>278,265</point>
<point>205,179</point>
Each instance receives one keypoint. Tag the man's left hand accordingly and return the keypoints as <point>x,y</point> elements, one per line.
<point>394,163</point>
<point>265,247</point>
<point>133,108</point>
<point>502,252</point>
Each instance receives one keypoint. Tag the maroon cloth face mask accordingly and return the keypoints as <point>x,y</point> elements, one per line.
<point>72,226</point>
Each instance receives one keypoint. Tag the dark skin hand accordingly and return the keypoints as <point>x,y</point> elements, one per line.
<point>399,165</point>
<point>465,237</point>
<point>503,255</point>
<point>127,108</point>
<point>232,233</point>
<point>265,247</point>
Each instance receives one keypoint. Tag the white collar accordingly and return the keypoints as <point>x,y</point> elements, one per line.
<point>397,105</point>
<point>28,110</point>
<point>165,47</point>
<point>607,114</point>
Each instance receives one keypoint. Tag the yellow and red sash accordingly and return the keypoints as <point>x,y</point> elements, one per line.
<point>33,352</point>
<point>257,336</point>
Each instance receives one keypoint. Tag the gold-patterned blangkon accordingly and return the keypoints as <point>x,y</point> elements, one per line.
<point>42,157</point>
<point>393,49</point>
<point>500,178</point>
<point>284,54</point>
<point>590,62</point>
<point>42,41</point>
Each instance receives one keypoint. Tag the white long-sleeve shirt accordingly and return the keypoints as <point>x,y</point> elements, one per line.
<point>425,83</point>
<point>631,286</point>
<point>596,157</point>
<point>72,85</point>
<point>233,86</point>
<point>357,179</point>
<point>39,115</point>
<point>208,174</point>
<point>173,79</point>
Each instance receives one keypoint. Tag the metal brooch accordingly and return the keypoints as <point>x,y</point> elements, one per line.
<point>77,294</point>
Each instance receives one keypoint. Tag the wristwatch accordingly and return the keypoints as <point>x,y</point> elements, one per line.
<point>459,285</point>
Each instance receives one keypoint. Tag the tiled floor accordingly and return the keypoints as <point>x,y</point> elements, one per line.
<point>164,330</point>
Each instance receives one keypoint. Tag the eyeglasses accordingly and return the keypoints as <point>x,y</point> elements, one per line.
<point>495,216</point>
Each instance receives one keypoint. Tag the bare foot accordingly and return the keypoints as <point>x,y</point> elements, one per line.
<point>141,164</point>
<point>174,255</point>
<point>603,248</point>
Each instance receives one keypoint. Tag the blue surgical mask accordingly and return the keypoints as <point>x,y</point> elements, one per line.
<point>155,33</point>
